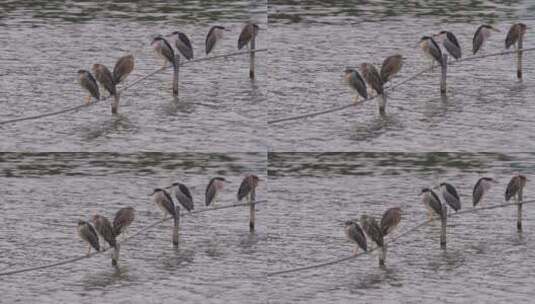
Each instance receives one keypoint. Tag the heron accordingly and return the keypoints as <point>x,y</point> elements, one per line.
<point>249,31</point>
<point>431,50</point>
<point>355,234</point>
<point>215,34</point>
<point>390,67</point>
<point>123,219</point>
<point>105,78</point>
<point>89,235</point>
<point>183,44</point>
<point>516,31</point>
<point>482,34</point>
<point>372,229</point>
<point>449,193</point>
<point>123,67</point>
<point>183,195</point>
<point>431,202</point>
<point>247,187</point>
<point>482,186</point>
<point>105,230</point>
<point>390,220</point>
<point>165,202</point>
<point>515,187</point>
<point>88,82</point>
<point>215,185</point>
<point>165,51</point>
<point>373,78</point>
<point>450,43</point>
<point>355,81</point>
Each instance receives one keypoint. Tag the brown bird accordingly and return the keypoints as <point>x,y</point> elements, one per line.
<point>516,31</point>
<point>215,34</point>
<point>373,78</point>
<point>390,220</point>
<point>482,186</point>
<point>105,78</point>
<point>481,35</point>
<point>104,229</point>
<point>515,187</point>
<point>215,185</point>
<point>391,66</point>
<point>88,82</point>
<point>372,229</point>
<point>165,51</point>
<point>355,81</point>
<point>89,235</point>
<point>123,67</point>
<point>123,219</point>
<point>249,31</point>
<point>247,186</point>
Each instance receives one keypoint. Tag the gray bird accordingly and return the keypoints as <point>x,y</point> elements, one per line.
<point>123,219</point>
<point>165,51</point>
<point>481,35</point>
<point>482,186</point>
<point>450,43</point>
<point>372,229</point>
<point>390,220</point>
<point>355,234</point>
<point>355,81</point>
<point>123,67</point>
<point>450,196</point>
<point>215,185</point>
<point>390,67</point>
<point>165,202</point>
<point>515,186</point>
<point>516,31</point>
<point>431,49</point>
<point>105,78</point>
<point>215,34</point>
<point>247,186</point>
<point>373,78</point>
<point>104,229</point>
<point>183,195</point>
<point>431,202</point>
<point>183,44</point>
<point>89,235</point>
<point>88,82</point>
<point>249,31</point>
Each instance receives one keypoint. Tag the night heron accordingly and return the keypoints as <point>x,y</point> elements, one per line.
<point>431,50</point>
<point>515,187</point>
<point>163,200</point>
<point>390,220</point>
<point>123,219</point>
<point>89,235</point>
<point>249,31</point>
<point>482,34</point>
<point>165,51</point>
<point>431,202</point>
<point>183,195</point>
<point>372,229</point>
<point>450,43</point>
<point>355,234</point>
<point>482,186</point>
<point>391,66</point>
<point>516,31</point>
<point>215,185</point>
<point>123,67</point>
<point>373,78</point>
<point>104,229</point>
<point>247,187</point>
<point>215,34</point>
<point>355,81</point>
<point>105,78</point>
<point>88,82</point>
<point>450,196</point>
<point>183,44</point>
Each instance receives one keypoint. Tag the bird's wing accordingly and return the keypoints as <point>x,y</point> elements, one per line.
<point>245,188</point>
<point>106,79</point>
<point>184,189</point>
<point>357,234</point>
<point>183,45</point>
<point>435,51</point>
<point>168,203</point>
<point>92,236</point>
<point>452,190</point>
<point>453,47</point>
<point>359,84</point>
<point>90,84</point>
<point>477,194</point>
<point>210,40</point>
<point>245,35</point>
<point>452,200</point>
<point>435,203</point>
<point>477,41</point>
<point>389,220</point>
<point>123,67</point>
<point>210,192</point>
<point>512,36</point>
<point>512,188</point>
<point>167,52</point>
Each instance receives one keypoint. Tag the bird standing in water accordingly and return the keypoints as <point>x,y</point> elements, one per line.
<point>88,82</point>
<point>390,220</point>
<point>89,235</point>
<point>450,43</point>
<point>105,230</point>
<point>391,66</point>
<point>515,187</point>
<point>249,31</point>
<point>481,35</point>
<point>183,195</point>
<point>105,78</point>
<point>431,50</point>
<point>355,234</point>
<point>215,185</point>
<point>431,202</point>
<point>516,31</point>
<point>373,78</point>
<point>183,44</point>
<point>165,51</point>
<point>450,196</point>
<point>215,34</point>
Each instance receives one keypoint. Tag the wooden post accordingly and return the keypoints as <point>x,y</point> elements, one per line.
<point>443,74</point>
<point>176,69</point>
<point>382,256</point>
<point>519,57</point>
<point>176,227</point>
<point>519,211</point>
<point>251,57</point>
<point>252,210</point>
<point>443,221</point>
<point>115,255</point>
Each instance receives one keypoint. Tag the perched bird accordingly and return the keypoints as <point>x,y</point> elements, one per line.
<point>215,185</point>
<point>105,78</point>
<point>88,234</point>
<point>123,67</point>
<point>355,81</point>
<point>165,202</point>
<point>104,228</point>
<point>390,220</point>
<point>372,229</point>
<point>481,187</point>
<point>355,234</point>
<point>450,196</point>
<point>515,187</point>
<point>431,202</point>
<point>247,186</point>
<point>431,50</point>
<point>165,51</point>
<point>373,78</point>
<point>214,35</point>
<point>88,82</point>
<point>391,66</point>
<point>183,44</point>
<point>516,31</point>
<point>123,219</point>
<point>481,35</point>
<point>450,43</point>
<point>183,195</point>
<point>249,31</point>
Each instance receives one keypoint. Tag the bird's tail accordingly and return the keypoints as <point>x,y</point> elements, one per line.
<point>115,254</point>
<point>115,103</point>
<point>175,77</point>
<point>381,100</point>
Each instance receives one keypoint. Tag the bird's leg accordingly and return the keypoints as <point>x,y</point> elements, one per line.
<point>88,99</point>
<point>88,249</point>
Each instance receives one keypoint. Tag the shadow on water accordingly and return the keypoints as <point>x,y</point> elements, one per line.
<point>361,282</point>
<point>375,127</point>
<point>92,280</point>
<point>115,124</point>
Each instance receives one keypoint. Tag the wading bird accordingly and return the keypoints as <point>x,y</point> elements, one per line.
<point>123,67</point>
<point>165,51</point>
<point>355,234</point>
<point>450,196</point>
<point>183,195</point>
<point>215,185</point>
<point>431,202</point>
<point>105,78</point>
<point>88,82</point>
<point>163,200</point>
<point>88,234</point>
<point>123,219</point>
<point>215,34</point>
<point>105,230</point>
<point>431,50</point>
<point>450,43</point>
<point>372,229</point>
<point>516,31</point>
<point>482,186</point>
<point>391,66</point>
<point>390,220</point>
<point>183,44</point>
<point>249,31</point>
<point>373,78</point>
<point>515,187</point>
<point>247,187</point>
<point>482,34</point>
<point>355,81</point>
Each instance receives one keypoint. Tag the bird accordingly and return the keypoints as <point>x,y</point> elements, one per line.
<point>214,35</point>
<point>431,202</point>
<point>481,187</point>
<point>105,78</point>
<point>373,78</point>
<point>390,220</point>
<point>390,67</point>
<point>165,202</point>
<point>450,43</point>
<point>88,82</point>
<point>247,187</point>
<point>89,235</point>
<point>450,196</point>
<point>104,229</point>
<point>123,67</point>
<point>355,234</point>
<point>355,81</point>
<point>249,31</point>
<point>165,51</point>
<point>431,49</point>
<point>183,44</point>
<point>516,31</point>
<point>515,187</point>
<point>215,185</point>
<point>123,219</point>
<point>183,195</point>
<point>481,35</point>
<point>372,229</point>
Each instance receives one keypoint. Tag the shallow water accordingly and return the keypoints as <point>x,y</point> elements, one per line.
<point>486,260</point>
<point>44,195</point>
<point>44,44</point>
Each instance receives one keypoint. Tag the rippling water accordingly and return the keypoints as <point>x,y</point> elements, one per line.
<point>44,43</point>
<point>45,194</point>
<point>311,195</point>
<point>311,43</point>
